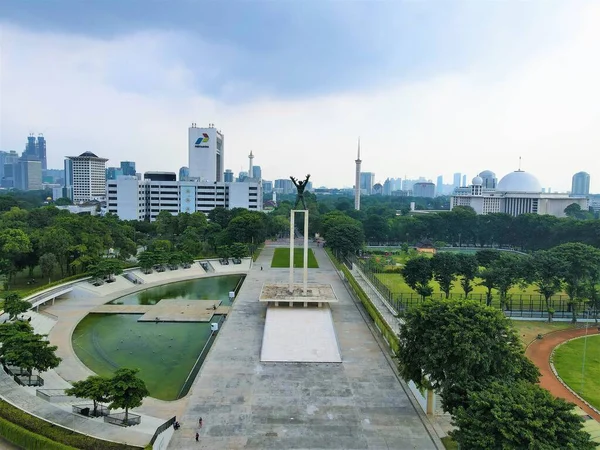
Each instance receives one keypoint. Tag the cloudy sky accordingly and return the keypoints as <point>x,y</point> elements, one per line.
<point>431,87</point>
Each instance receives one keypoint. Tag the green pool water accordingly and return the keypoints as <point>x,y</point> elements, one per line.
<point>165,353</point>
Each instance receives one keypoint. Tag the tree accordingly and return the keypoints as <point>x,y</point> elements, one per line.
<point>467,269</point>
<point>94,387</point>
<point>224,252</point>
<point>444,266</point>
<point>107,268</point>
<point>30,351</point>
<point>417,273</point>
<point>545,270</point>
<point>581,264</point>
<point>376,228</point>
<point>486,257</point>
<point>345,237</point>
<point>518,415</point>
<point>9,329</point>
<point>458,346</point>
<point>507,272</point>
<point>13,305</point>
<point>146,260</point>
<point>126,391</point>
<point>238,250</point>
<point>14,244</point>
<point>48,265</point>
<point>489,280</point>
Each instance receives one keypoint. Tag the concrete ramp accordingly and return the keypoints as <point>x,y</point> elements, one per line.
<point>299,335</point>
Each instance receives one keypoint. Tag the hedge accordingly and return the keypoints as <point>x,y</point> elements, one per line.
<point>386,331</point>
<point>31,425</point>
<point>26,439</point>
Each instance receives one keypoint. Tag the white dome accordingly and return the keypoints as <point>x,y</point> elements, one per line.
<point>519,181</point>
<point>477,181</point>
<point>487,174</point>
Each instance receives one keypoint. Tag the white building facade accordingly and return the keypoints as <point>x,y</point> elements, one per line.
<point>85,177</point>
<point>517,193</point>
<point>133,199</point>
<point>206,154</point>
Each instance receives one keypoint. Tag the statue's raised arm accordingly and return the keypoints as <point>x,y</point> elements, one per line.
<point>294,181</point>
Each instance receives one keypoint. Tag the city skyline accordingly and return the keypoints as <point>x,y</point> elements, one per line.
<point>478,86</point>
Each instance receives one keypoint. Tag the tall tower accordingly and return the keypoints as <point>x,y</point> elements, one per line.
<point>357,180</point>
<point>250,158</point>
<point>206,150</point>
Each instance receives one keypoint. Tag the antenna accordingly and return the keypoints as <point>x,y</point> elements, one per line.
<point>519,163</point>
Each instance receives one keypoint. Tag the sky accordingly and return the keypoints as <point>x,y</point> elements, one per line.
<point>431,87</point>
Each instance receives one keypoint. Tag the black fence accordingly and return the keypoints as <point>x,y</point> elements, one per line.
<point>515,305</point>
<point>14,370</point>
<point>88,410</point>
<point>162,428</point>
<point>27,380</point>
<point>119,419</point>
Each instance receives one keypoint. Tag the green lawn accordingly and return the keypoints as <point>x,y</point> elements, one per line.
<point>568,360</point>
<point>281,258</point>
<point>529,330</point>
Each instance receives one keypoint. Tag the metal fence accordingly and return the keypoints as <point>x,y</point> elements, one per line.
<point>88,410</point>
<point>515,305</point>
<point>119,419</point>
<point>162,428</point>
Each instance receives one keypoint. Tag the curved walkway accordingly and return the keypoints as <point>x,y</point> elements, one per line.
<point>539,352</point>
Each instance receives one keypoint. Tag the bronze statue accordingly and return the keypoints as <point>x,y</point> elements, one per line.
<point>300,186</point>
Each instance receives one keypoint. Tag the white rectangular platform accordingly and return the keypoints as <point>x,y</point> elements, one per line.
<point>299,335</point>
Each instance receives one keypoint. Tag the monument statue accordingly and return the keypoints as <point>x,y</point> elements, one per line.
<point>300,186</point>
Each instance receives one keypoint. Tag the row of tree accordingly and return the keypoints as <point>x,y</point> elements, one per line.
<point>471,355</point>
<point>573,268</point>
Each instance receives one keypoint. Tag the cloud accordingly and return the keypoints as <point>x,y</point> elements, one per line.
<point>131,97</point>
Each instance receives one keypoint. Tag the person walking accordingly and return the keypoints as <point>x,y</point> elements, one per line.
<point>200,422</point>
<point>197,436</point>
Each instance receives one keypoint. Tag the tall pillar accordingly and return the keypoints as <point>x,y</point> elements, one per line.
<point>305,274</point>
<point>292,219</point>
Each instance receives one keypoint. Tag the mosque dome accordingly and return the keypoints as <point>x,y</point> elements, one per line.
<point>477,181</point>
<point>519,181</point>
<point>487,174</point>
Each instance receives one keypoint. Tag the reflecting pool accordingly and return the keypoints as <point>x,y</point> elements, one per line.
<point>166,353</point>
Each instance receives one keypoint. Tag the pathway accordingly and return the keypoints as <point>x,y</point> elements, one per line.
<point>246,404</point>
<point>539,352</point>
<point>377,301</point>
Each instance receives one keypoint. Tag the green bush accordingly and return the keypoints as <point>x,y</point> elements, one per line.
<point>26,439</point>
<point>55,433</point>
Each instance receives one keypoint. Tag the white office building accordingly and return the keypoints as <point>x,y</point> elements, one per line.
<point>85,177</point>
<point>206,154</point>
<point>133,199</point>
<point>517,193</point>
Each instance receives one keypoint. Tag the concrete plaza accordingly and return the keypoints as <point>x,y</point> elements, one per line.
<point>246,404</point>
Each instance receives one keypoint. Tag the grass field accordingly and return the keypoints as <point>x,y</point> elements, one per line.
<point>281,258</point>
<point>529,330</point>
<point>568,360</point>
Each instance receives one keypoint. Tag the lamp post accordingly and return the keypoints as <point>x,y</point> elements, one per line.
<point>584,352</point>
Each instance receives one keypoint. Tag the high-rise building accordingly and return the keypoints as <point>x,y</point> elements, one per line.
<point>423,189</point>
<point>184,174</point>
<point>357,180</point>
<point>228,176</point>
<point>367,180</point>
<point>267,186</point>
<point>128,168</point>
<point>256,172</point>
<point>9,158</point>
<point>439,190</point>
<point>35,150</point>
<point>113,172</point>
<point>206,153</point>
<point>284,186</point>
<point>27,174</point>
<point>580,184</point>
<point>464,180</point>
<point>134,199</point>
<point>85,177</point>
<point>489,179</point>
<point>456,180</point>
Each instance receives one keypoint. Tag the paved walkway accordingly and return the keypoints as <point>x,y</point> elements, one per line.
<point>377,301</point>
<point>246,404</point>
<point>539,352</point>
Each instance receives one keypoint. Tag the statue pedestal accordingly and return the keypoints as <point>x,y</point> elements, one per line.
<point>305,248</point>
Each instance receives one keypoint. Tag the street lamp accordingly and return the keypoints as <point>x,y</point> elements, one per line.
<point>584,352</point>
